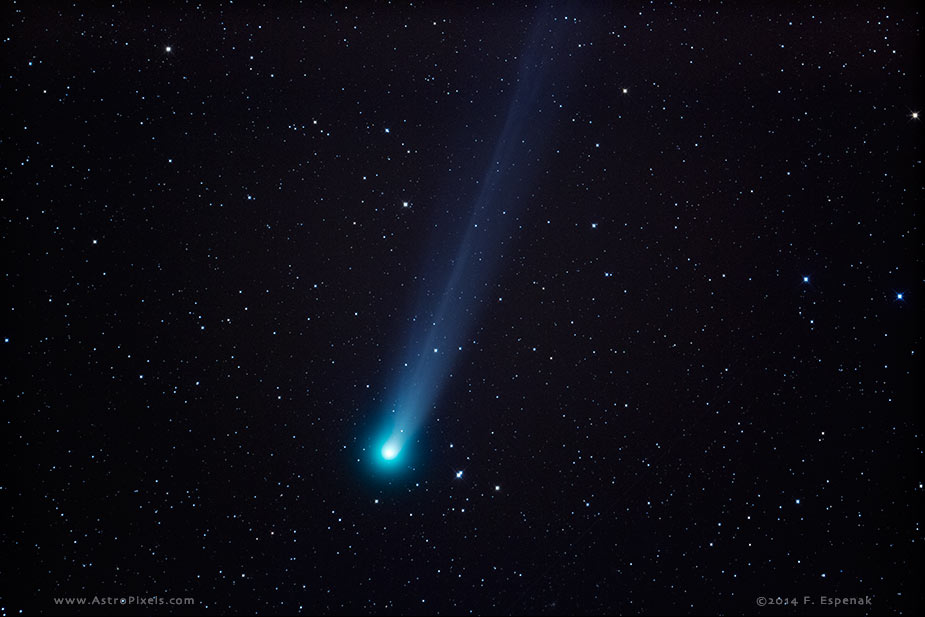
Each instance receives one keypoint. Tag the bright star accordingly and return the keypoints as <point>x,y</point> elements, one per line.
<point>168,49</point>
<point>459,474</point>
<point>899,296</point>
<point>915,115</point>
<point>805,279</point>
<point>625,90</point>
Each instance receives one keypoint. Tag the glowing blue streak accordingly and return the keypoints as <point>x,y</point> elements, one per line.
<point>479,250</point>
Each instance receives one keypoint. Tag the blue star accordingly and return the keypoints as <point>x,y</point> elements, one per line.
<point>899,296</point>
<point>805,279</point>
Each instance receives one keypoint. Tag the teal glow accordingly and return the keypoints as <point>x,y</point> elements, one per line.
<point>391,449</point>
<point>388,450</point>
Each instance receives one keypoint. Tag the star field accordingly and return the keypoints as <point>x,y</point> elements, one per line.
<point>690,380</point>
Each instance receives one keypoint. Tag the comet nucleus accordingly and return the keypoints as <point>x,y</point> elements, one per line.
<point>391,449</point>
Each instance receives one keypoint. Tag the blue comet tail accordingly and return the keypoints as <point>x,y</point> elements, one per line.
<point>435,342</point>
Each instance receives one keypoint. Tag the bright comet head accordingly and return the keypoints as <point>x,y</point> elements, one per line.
<point>390,450</point>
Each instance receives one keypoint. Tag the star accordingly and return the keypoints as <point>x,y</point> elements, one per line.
<point>459,474</point>
<point>915,115</point>
<point>168,49</point>
<point>625,90</point>
<point>899,296</point>
<point>805,279</point>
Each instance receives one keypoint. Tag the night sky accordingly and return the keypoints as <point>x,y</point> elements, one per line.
<point>642,282</point>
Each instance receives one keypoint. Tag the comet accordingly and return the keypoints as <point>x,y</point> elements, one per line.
<point>441,331</point>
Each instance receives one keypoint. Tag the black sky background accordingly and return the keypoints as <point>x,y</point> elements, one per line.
<point>209,276</point>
